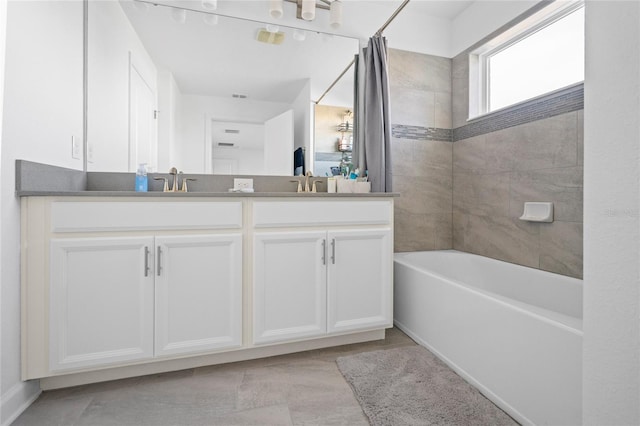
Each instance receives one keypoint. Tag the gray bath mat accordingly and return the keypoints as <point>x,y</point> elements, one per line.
<point>410,386</point>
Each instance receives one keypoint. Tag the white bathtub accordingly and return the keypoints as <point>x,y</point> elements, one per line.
<point>513,332</point>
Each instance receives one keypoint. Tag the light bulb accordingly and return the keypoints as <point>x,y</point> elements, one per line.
<point>179,15</point>
<point>276,8</point>
<point>299,35</point>
<point>335,14</point>
<point>308,10</point>
<point>272,28</point>
<point>210,4</point>
<point>210,19</point>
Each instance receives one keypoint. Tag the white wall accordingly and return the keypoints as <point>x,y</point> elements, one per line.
<point>3,37</point>
<point>169,104</point>
<point>42,110</point>
<point>111,41</point>
<point>418,32</point>
<point>197,112</point>
<point>481,19</point>
<point>249,146</point>
<point>611,375</point>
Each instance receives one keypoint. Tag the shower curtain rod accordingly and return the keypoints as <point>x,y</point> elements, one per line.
<point>336,80</point>
<point>392,17</point>
<point>379,32</point>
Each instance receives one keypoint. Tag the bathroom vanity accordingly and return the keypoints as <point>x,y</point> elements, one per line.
<point>117,286</point>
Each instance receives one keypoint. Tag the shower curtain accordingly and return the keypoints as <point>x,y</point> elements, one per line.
<point>373,152</point>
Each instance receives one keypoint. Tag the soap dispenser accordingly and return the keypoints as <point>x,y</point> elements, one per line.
<point>141,178</point>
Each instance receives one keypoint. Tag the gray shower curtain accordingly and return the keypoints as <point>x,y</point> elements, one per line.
<point>375,146</point>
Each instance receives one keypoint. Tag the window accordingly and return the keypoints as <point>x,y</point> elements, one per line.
<point>543,53</point>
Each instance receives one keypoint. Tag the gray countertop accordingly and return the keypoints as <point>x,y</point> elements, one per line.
<point>43,180</point>
<point>203,194</point>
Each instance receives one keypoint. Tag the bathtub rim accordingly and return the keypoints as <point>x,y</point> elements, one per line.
<point>566,322</point>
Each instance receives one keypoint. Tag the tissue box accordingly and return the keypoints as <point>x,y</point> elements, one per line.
<point>352,186</point>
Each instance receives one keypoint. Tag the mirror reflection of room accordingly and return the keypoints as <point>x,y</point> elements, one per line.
<point>170,86</point>
<point>333,140</point>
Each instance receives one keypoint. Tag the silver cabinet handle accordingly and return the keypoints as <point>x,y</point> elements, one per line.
<point>333,251</point>
<point>146,261</point>
<point>158,260</point>
<point>324,252</point>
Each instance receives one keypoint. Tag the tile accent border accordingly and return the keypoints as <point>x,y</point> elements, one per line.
<point>421,133</point>
<point>559,102</point>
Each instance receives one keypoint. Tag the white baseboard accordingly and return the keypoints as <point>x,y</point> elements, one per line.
<point>14,401</point>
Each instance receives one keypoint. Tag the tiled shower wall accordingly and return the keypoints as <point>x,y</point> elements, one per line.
<point>463,184</point>
<point>530,154</point>
<point>420,102</point>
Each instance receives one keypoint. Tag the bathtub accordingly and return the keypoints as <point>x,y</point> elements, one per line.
<point>513,332</point>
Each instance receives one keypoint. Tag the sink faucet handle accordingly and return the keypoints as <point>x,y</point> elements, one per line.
<point>313,189</point>
<point>299,182</point>
<point>184,184</point>
<point>166,183</point>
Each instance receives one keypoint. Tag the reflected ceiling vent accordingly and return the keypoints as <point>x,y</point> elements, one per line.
<point>265,36</point>
<point>226,144</point>
<point>239,96</point>
<point>235,131</point>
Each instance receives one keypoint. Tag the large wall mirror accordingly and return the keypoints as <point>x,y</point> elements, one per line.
<point>178,86</point>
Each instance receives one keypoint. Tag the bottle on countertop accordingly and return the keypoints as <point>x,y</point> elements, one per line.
<point>142,183</point>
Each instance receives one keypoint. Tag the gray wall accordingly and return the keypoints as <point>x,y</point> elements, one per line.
<point>420,98</point>
<point>468,194</point>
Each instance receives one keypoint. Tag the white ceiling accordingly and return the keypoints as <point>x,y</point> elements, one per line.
<point>225,58</point>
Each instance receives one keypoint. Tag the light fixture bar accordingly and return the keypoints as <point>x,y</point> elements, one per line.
<point>299,8</point>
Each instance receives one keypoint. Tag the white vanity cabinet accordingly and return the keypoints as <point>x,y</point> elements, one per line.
<point>331,274</point>
<point>101,301</point>
<point>129,281</point>
<point>289,285</point>
<point>198,293</point>
<point>130,298</point>
<point>122,286</point>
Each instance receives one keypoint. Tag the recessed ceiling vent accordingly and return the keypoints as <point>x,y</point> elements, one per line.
<point>239,96</point>
<point>225,144</point>
<point>265,36</point>
<point>234,131</point>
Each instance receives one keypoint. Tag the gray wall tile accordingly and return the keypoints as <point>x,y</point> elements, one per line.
<point>469,155</point>
<point>580,118</point>
<point>419,71</point>
<point>562,186</point>
<point>561,248</point>
<point>413,107</point>
<point>486,194</point>
<point>430,193</point>
<point>460,90</point>
<point>422,152</point>
<point>417,232</point>
<point>443,110</point>
<point>469,194</point>
<point>498,237</point>
<point>495,173</point>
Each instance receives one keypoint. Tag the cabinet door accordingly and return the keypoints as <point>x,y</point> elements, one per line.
<point>101,301</point>
<point>198,293</point>
<point>360,276</point>
<point>289,286</point>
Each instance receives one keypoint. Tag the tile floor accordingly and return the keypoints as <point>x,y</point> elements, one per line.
<point>305,388</point>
